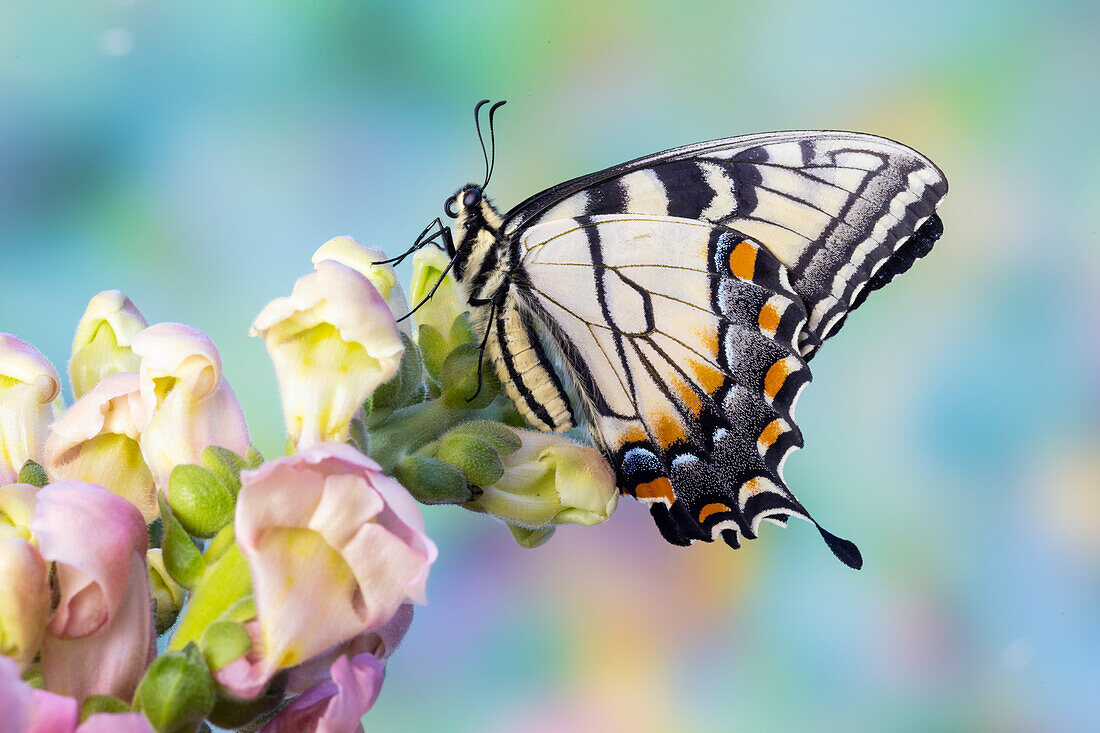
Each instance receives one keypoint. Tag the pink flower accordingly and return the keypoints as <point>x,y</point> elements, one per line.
<point>24,599</point>
<point>334,548</point>
<point>100,637</point>
<point>337,704</point>
<point>29,389</point>
<point>97,440</point>
<point>187,404</point>
<point>27,710</point>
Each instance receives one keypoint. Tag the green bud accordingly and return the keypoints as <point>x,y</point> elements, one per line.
<point>550,480</point>
<point>225,464</point>
<point>503,439</point>
<point>532,538</point>
<point>33,474</point>
<point>167,593</point>
<point>177,692</point>
<point>224,642</point>
<point>182,559</point>
<point>434,349</point>
<point>460,381</point>
<point>218,546</point>
<point>241,611</point>
<point>432,481</point>
<point>102,704</point>
<point>477,459</point>
<point>200,500</point>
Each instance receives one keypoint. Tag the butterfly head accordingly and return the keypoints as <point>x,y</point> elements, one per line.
<point>472,213</point>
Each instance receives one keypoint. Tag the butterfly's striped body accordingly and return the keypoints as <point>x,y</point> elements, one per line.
<point>684,293</point>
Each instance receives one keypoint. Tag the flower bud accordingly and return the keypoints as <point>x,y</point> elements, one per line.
<point>447,303</point>
<point>97,441</point>
<point>102,343</point>
<point>29,402</point>
<point>366,261</point>
<point>176,692</point>
<point>550,480</point>
<point>333,341</point>
<point>186,402</point>
<point>167,593</point>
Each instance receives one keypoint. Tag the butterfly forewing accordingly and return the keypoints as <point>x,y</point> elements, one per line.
<point>833,207</point>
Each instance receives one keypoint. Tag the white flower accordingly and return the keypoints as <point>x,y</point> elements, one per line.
<point>102,343</point>
<point>29,402</point>
<point>364,260</point>
<point>186,404</point>
<point>333,342</point>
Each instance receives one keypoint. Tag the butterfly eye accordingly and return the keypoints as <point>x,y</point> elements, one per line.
<point>449,207</point>
<point>472,197</point>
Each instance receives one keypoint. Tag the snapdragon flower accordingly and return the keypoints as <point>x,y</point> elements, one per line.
<point>29,401</point>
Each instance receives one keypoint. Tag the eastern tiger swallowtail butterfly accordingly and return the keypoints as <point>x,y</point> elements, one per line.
<point>681,295</point>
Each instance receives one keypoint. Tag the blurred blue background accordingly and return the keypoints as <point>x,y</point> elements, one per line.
<point>195,154</point>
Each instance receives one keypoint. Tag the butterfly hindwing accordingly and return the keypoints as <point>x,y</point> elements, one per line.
<point>837,209</point>
<point>682,336</point>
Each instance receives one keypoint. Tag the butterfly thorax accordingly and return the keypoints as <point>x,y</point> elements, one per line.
<point>484,260</point>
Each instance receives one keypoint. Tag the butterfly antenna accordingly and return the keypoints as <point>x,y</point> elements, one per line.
<point>419,242</point>
<point>477,124</point>
<point>435,287</point>
<point>492,143</point>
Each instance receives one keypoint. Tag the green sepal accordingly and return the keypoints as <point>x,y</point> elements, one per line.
<point>154,532</point>
<point>32,473</point>
<point>401,389</point>
<point>102,704</point>
<point>167,594</point>
<point>461,331</point>
<point>503,439</point>
<point>230,712</point>
<point>357,431</point>
<point>432,481</point>
<point>203,504</point>
<point>225,464</point>
<point>459,379</point>
<point>241,611</point>
<point>476,458</point>
<point>531,538</point>
<point>224,642</point>
<point>222,587</point>
<point>434,349</point>
<point>176,693</point>
<point>218,546</point>
<point>182,558</point>
<point>253,459</point>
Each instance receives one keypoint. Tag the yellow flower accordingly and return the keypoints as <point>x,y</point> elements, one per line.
<point>102,343</point>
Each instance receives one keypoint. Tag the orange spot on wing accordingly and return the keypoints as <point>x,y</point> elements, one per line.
<point>769,318</point>
<point>710,509</point>
<point>772,432</point>
<point>751,488</point>
<point>708,343</point>
<point>658,489</point>
<point>706,376</point>
<point>689,397</point>
<point>667,429</point>
<point>743,261</point>
<point>773,380</point>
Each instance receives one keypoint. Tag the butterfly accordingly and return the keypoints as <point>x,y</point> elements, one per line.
<point>680,297</point>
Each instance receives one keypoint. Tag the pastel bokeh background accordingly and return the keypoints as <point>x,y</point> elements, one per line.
<point>195,154</point>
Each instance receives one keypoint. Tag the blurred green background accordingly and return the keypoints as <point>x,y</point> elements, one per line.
<point>195,154</point>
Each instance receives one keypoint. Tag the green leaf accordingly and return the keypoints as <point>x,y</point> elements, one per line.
<point>33,474</point>
<point>182,558</point>
<point>202,503</point>
<point>477,459</point>
<point>225,464</point>
<point>432,481</point>
<point>462,332</point>
<point>177,692</point>
<point>434,349</point>
<point>224,642</point>
<point>253,459</point>
<point>102,704</point>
